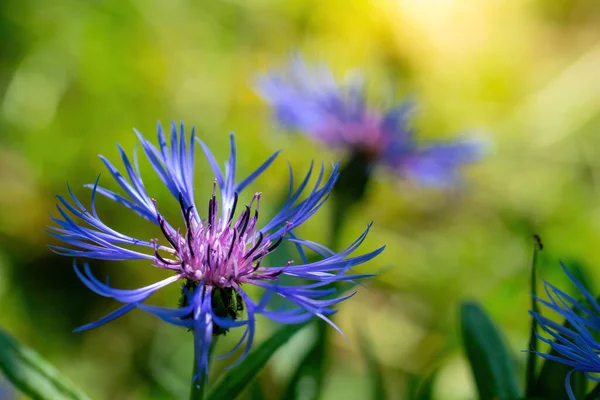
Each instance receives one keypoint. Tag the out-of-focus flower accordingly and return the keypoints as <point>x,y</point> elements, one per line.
<point>310,100</point>
<point>573,343</point>
<point>213,256</point>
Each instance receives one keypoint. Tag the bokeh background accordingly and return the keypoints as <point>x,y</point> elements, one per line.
<point>76,76</point>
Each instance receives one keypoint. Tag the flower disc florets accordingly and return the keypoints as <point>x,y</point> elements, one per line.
<point>218,251</point>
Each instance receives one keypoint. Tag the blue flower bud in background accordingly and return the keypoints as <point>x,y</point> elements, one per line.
<point>309,99</point>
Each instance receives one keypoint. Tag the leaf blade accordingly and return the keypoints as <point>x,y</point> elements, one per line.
<point>237,378</point>
<point>32,374</point>
<point>311,368</point>
<point>374,368</point>
<point>488,356</point>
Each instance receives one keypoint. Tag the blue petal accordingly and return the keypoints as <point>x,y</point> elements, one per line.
<point>438,164</point>
<point>240,186</point>
<point>124,296</point>
<point>213,164</point>
<point>113,315</point>
<point>202,331</point>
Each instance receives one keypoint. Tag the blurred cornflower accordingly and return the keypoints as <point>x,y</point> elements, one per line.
<point>575,343</point>
<point>310,100</point>
<point>212,256</point>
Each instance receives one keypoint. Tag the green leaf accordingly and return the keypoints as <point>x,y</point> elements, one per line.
<point>237,378</point>
<point>256,392</point>
<point>373,368</point>
<point>551,381</point>
<point>594,394</point>
<point>33,375</point>
<point>311,368</point>
<point>424,389</point>
<point>488,356</point>
<point>530,378</point>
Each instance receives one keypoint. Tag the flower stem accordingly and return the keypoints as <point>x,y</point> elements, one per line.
<point>349,191</point>
<point>530,381</point>
<point>198,387</point>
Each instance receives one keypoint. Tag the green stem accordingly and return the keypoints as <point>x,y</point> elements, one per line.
<point>533,342</point>
<point>198,387</point>
<point>338,217</point>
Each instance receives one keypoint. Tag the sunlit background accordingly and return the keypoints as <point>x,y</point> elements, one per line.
<point>77,76</point>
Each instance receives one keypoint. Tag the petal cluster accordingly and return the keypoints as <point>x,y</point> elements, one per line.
<point>574,342</point>
<point>214,254</point>
<point>310,100</point>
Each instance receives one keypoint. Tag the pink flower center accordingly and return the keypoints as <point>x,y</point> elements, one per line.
<point>216,250</point>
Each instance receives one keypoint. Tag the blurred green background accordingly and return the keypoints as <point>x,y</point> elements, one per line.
<point>76,76</point>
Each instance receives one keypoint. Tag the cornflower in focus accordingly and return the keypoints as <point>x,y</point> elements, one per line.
<point>213,254</point>
<point>574,343</point>
<point>310,100</point>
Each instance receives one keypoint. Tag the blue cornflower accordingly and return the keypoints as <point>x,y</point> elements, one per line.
<point>213,256</point>
<point>310,100</point>
<point>573,343</point>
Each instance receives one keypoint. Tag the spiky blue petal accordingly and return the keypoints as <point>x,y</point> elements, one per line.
<point>575,343</point>
<point>192,255</point>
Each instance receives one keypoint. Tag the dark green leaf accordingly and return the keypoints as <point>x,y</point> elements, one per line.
<point>594,394</point>
<point>420,388</point>
<point>425,389</point>
<point>488,356</point>
<point>231,384</point>
<point>33,375</point>
<point>373,368</point>
<point>256,392</point>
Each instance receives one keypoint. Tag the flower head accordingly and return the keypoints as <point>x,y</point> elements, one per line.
<point>310,100</point>
<point>575,342</point>
<point>213,255</point>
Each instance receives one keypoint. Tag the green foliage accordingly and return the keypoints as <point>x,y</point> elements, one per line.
<point>533,340</point>
<point>490,360</point>
<point>75,77</point>
<point>255,391</point>
<point>550,384</point>
<point>233,383</point>
<point>421,388</point>
<point>32,374</point>
<point>373,369</point>
<point>594,394</point>
<point>311,368</point>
